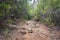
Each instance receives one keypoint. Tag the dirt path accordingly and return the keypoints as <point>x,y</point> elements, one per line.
<point>32,30</point>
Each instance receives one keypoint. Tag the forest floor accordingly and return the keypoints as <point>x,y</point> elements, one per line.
<point>32,30</point>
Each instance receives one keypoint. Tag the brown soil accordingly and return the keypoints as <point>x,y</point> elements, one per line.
<point>32,30</point>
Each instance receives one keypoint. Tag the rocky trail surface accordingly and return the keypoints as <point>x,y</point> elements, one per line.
<point>32,30</point>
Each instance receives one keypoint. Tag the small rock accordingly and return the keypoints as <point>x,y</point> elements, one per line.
<point>23,28</point>
<point>23,32</point>
<point>16,39</point>
<point>30,31</point>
